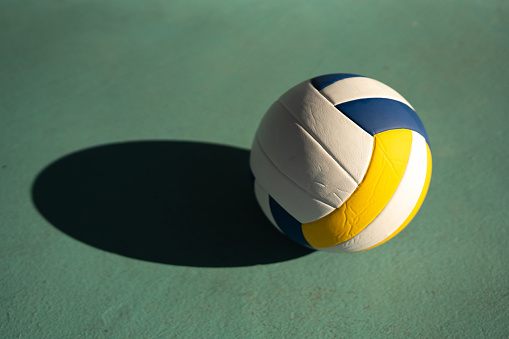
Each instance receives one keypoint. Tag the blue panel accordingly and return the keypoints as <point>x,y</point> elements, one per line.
<point>288,224</point>
<point>323,81</point>
<point>251,175</point>
<point>376,115</point>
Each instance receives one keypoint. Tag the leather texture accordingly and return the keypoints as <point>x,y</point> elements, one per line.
<point>340,162</point>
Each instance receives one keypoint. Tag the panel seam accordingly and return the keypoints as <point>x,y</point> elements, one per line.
<point>284,174</point>
<point>314,137</point>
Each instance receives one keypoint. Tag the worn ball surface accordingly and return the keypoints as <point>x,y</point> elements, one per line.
<point>341,163</point>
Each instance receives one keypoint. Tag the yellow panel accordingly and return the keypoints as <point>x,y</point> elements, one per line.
<point>390,156</point>
<point>417,205</point>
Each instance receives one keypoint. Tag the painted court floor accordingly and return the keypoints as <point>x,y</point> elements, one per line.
<point>126,206</point>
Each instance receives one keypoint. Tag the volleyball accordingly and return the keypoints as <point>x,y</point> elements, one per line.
<point>341,163</point>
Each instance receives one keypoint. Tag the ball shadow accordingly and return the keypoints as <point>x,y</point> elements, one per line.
<point>172,202</point>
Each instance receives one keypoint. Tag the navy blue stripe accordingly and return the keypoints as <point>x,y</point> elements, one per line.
<point>251,175</point>
<point>376,115</point>
<point>288,224</point>
<point>323,81</point>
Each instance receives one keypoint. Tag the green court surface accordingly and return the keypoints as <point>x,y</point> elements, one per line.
<point>126,206</point>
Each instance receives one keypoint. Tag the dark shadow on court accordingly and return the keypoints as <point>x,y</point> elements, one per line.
<point>172,202</point>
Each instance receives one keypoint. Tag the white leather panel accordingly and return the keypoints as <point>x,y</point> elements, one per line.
<point>348,144</point>
<point>301,158</point>
<point>294,199</point>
